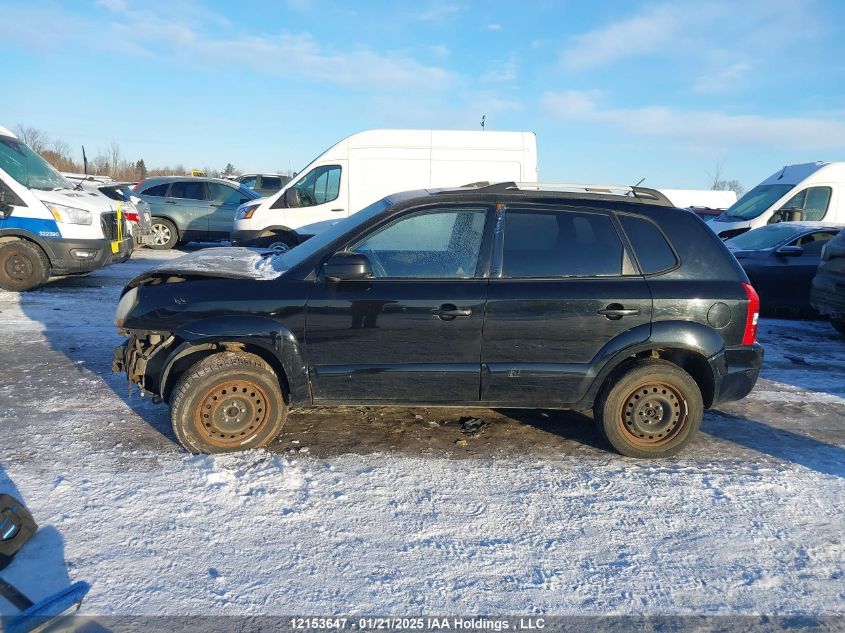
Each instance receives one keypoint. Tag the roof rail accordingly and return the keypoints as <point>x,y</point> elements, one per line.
<point>643,194</point>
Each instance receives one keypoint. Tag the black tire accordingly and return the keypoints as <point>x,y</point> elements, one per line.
<point>23,266</point>
<point>278,241</point>
<point>838,325</point>
<point>230,401</point>
<point>165,235</point>
<point>651,409</point>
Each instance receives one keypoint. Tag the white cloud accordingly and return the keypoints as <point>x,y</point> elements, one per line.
<point>502,71</point>
<point>438,11</point>
<point>494,26</point>
<point>640,34</point>
<point>440,50</point>
<point>723,80</point>
<point>704,127</point>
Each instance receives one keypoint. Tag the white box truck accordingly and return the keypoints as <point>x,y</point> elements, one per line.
<point>806,191</point>
<point>368,166</point>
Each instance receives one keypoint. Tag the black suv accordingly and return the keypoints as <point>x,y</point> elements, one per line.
<point>497,296</point>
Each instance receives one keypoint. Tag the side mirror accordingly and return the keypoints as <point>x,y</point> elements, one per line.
<point>787,214</point>
<point>291,198</point>
<point>347,267</point>
<point>790,251</point>
<point>5,209</point>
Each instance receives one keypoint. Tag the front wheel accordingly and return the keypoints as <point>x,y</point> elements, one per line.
<point>277,241</point>
<point>165,235</point>
<point>230,401</point>
<point>23,266</point>
<point>653,409</point>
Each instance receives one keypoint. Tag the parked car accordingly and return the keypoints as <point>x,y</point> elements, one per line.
<point>47,227</point>
<point>498,296</point>
<point>808,191</point>
<point>130,206</point>
<point>781,260</point>
<point>264,184</point>
<point>186,209</point>
<point>827,294</point>
<point>367,166</point>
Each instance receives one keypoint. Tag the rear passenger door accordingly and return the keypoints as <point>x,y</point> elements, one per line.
<point>223,203</point>
<point>188,205</point>
<point>563,287</point>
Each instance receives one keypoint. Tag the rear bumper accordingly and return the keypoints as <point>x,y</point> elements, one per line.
<point>71,257</point>
<point>736,370</point>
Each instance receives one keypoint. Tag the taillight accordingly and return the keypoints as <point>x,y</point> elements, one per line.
<point>132,217</point>
<point>749,337</point>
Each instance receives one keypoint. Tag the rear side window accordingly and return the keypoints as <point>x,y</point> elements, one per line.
<point>188,190</point>
<point>271,182</point>
<point>560,244</point>
<point>652,250</point>
<point>156,190</point>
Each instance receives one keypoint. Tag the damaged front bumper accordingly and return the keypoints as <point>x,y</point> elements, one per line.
<point>136,354</point>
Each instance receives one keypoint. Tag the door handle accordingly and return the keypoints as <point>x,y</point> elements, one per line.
<point>170,202</point>
<point>616,311</point>
<point>448,312</point>
<point>338,210</point>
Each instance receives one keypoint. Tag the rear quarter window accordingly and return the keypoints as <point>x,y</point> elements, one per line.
<point>653,252</point>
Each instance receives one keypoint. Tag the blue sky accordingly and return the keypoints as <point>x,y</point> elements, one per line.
<point>616,91</point>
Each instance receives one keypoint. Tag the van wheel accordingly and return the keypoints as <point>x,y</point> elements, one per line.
<point>277,241</point>
<point>838,325</point>
<point>651,410</point>
<point>230,401</point>
<point>23,265</point>
<point>165,235</point>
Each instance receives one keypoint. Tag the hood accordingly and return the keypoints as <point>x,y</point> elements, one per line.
<point>222,263</point>
<point>89,201</point>
<point>317,227</point>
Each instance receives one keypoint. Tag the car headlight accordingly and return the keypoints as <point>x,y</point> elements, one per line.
<point>68,215</point>
<point>245,211</point>
<point>126,304</point>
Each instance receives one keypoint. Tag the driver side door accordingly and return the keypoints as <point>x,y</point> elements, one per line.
<point>412,332</point>
<point>323,195</point>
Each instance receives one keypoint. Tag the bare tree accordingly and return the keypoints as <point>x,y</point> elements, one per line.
<point>35,138</point>
<point>721,184</point>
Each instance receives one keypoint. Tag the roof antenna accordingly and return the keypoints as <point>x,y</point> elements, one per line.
<point>483,121</point>
<point>640,182</point>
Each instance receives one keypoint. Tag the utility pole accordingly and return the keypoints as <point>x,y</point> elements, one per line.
<point>483,121</point>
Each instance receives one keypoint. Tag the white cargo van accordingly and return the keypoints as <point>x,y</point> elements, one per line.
<point>806,191</point>
<point>47,227</point>
<point>367,166</point>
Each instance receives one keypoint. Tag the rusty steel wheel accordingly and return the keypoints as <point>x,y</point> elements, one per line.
<point>652,414</point>
<point>231,413</point>
<point>649,408</point>
<point>229,401</point>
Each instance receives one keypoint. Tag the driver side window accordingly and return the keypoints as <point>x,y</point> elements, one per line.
<point>813,201</point>
<point>433,244</point>
<point>320,185</point>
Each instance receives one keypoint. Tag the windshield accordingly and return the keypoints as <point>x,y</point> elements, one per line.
<point>762,238</point>
<point>28,168</point>
<point>756,201</point>
<point>309,247</point>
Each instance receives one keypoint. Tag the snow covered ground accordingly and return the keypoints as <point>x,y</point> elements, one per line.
<point>748,520</point>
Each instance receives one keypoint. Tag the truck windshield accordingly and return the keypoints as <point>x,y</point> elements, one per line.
<point>28,168</point>
<point>756,201</point>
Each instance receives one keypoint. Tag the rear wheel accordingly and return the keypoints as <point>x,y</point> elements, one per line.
<point>229,401</point>
<point>653,409</point>
<point>165,235</point>
<point>23,265</point>
<point>838,325</point>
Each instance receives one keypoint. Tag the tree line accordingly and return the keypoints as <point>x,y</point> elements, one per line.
<point>110,162</point>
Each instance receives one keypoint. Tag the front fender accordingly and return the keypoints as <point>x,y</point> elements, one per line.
<point>275,343</point>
